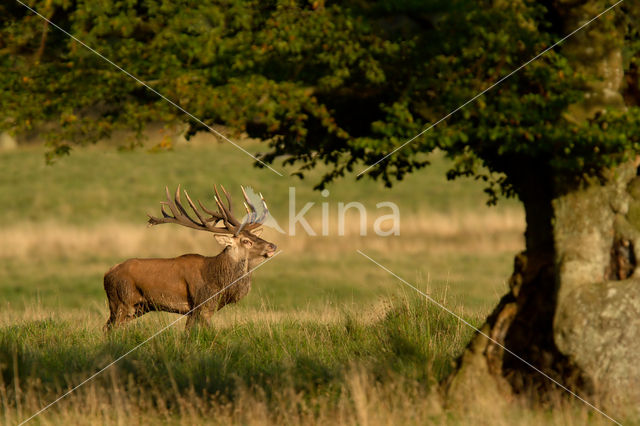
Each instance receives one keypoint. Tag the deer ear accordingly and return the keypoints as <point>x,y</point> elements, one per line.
<point>223,239</point>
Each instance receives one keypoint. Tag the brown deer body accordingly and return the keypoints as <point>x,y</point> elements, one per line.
<point>190,284</point>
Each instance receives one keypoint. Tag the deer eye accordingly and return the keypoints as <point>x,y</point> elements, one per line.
<point>247,242</point>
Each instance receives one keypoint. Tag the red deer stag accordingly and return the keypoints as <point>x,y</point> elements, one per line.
<point>191,284</point>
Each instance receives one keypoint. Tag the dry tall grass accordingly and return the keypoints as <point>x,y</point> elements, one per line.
<point>429,233</point>
<point>65,339</point>
<point>361,399</point>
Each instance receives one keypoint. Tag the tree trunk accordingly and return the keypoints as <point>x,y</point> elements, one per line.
<point>573,309</point>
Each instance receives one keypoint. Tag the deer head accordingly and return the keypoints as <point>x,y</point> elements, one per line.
<point>239,238</point>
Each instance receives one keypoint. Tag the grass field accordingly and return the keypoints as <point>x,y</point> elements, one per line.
<point>325,336</point>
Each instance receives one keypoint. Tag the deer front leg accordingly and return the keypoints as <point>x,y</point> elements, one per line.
<point>197,318</point>
<point>204,307</point>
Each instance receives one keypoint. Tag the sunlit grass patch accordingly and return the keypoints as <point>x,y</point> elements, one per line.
<point>409,340</point>
<point>324,336</point>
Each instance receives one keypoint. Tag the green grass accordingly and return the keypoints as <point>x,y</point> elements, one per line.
<point>411,342</point>
<point>97,184</point>
<point>325,336</point>
<point>308,283</point>
<point>412,339</point>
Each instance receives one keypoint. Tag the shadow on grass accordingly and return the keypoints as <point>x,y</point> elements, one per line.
<point>412,339</point>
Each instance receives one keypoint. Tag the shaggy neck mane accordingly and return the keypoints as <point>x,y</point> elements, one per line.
<point>229,264</point>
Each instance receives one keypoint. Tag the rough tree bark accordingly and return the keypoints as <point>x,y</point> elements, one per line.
<point>573,309</point>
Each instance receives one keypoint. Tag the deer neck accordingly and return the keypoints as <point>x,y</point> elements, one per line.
<point>233,261</point>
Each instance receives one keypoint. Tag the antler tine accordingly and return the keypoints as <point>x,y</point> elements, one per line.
<point>246,199</point>
<point>211,222</point>
<point>251,209</point>
<point>224,210</point>
<point>183,211</point>
<point>164,213</point>
<point>221,209</point>
<point>226,194</point>
<point>178,213</point>
<point>265,209</point>
<point>170,204</point>
<point>250,215</point>
<point>215,216</point>
<point>254,221</point>
<point>195,210</point>
<point>180,216</point>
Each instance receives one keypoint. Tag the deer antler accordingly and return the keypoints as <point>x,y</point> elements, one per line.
<point>225,211</point>
<point>180,216</point>
<point>253,220</point>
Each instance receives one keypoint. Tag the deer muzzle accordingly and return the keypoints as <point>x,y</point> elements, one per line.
<point>270,250</point>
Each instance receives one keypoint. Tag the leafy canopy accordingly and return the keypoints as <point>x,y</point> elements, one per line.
<point>337,83</point>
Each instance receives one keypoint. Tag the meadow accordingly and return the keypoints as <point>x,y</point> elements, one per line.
<point>325,336</point>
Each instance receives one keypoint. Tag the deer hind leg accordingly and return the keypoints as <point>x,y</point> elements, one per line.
<point>111,321</point>
<point>112,318</point>
<point>119,315</point>
<point>110,285</point>
<point>122,302</point>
